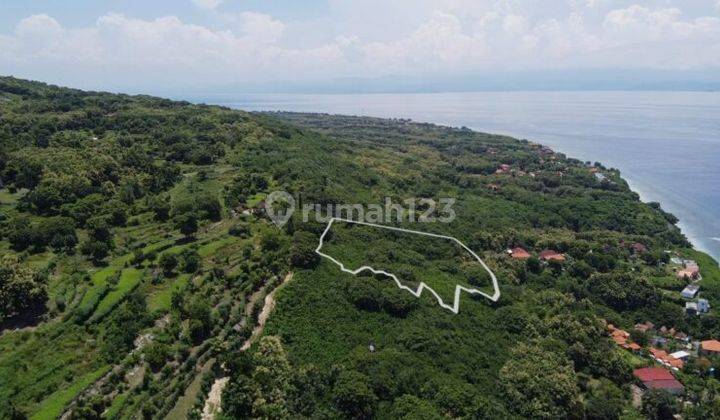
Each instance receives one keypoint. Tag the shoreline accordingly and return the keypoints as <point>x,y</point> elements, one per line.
<point>646,193</point>
<point>685,228</point>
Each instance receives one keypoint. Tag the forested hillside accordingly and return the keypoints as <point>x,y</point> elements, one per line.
<point>137,259</point>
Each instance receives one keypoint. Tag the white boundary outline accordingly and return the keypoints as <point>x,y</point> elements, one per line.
<point>455,308</point>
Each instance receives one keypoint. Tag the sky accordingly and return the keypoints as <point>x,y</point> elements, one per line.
<point>197,45</point>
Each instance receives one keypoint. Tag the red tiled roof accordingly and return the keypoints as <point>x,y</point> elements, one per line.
<point>676,363</point>
<point>687,272</point>
<point>664,357</point>
<point>710,345</point>
<point>549,254</point>
<point>653,377</point>
<point>653,374</point>
<point>520,253</point>
<point>664,384</point>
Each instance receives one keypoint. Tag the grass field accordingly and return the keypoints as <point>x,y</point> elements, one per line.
<point>129,280</point>
<point>52,407</point>
<point>160,300</point>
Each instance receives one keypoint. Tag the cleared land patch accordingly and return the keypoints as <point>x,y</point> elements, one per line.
<point>417,261</point>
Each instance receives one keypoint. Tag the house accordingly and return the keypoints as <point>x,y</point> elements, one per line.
<point>710,347</point>
<point>689,273</point>
<point>519,253</point>
<point>503,169</point>
<point>681,355</point>
<point>690,291</point>
<point>620,337</point>
<point>550,255</point>
<point>691,308</point>
<point>658,378</point>
<point>666,359</point>
<point>703,306</point>
<point>645,327</point>
<point>639,248</point>
<point>658,341</point>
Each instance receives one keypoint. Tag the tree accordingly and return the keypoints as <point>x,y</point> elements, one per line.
<point>186,223</point>
<point>190,260</point>
<point>99,229</point>
<point>302,250</point>
<point>22,289</point>
<point>640,337</point>
<point>21,233</point>
<point>606,401</point>
<point>168,261</point>
<point>270,241</point>
<point>623,291</point>
<point>659,404</point>
<point>156,354</point>
<point>160,207</point>
<point>533,265</point>
<point>123,326</point>
<point>477,276</point>
<point>540,384</point>
<point>58,232</point>
<point>353,396</point>
<point>261,388</point>
<point>197,311</point>
<point>94,249</point>
<point>410,407</point>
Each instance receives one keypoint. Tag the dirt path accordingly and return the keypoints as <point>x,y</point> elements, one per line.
<point>214,398</point>
<point>264,314</point>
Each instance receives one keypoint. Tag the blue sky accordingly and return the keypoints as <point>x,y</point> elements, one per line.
<point>201,44</point>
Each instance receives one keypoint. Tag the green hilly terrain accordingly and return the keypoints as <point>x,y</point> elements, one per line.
<point>140,270</point>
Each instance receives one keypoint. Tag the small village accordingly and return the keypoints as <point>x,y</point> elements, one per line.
<point>663,349</point>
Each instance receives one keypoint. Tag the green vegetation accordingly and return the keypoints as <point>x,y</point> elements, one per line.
<point>136,258</point>
<point>54,405</point>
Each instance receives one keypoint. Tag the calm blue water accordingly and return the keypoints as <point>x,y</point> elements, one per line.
<point>667,144</point>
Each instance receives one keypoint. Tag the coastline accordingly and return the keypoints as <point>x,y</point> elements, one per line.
<point>665,148</point>
<point>687,230</point>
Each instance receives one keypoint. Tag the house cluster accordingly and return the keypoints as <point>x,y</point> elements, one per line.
<point>507,169</point>
<point>662,377</point>
<point>257,210</point>
<point>674,361</point>
<point>688,270</point>
<point>621,337</point>
<point>546,255</point>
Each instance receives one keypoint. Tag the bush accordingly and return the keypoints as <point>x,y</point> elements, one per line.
<point>302,250</point>
<point>168,262</point>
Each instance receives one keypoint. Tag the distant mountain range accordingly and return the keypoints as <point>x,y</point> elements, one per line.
<point>556,80</point>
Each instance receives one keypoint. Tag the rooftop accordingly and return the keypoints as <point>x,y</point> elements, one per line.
<point>657,378</point>
<point>710,345</point>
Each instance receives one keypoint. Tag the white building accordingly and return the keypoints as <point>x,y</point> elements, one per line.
<point>703,306</point>
<point>690,291</point>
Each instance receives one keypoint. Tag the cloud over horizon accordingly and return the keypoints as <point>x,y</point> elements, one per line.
<point>369,38</point>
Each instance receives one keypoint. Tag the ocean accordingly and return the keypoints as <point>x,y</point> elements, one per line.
<point>666,144</point>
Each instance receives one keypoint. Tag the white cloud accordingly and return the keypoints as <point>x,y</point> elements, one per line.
<point>261,28</point>
<point>450,36</point>
<point>207,4</point>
